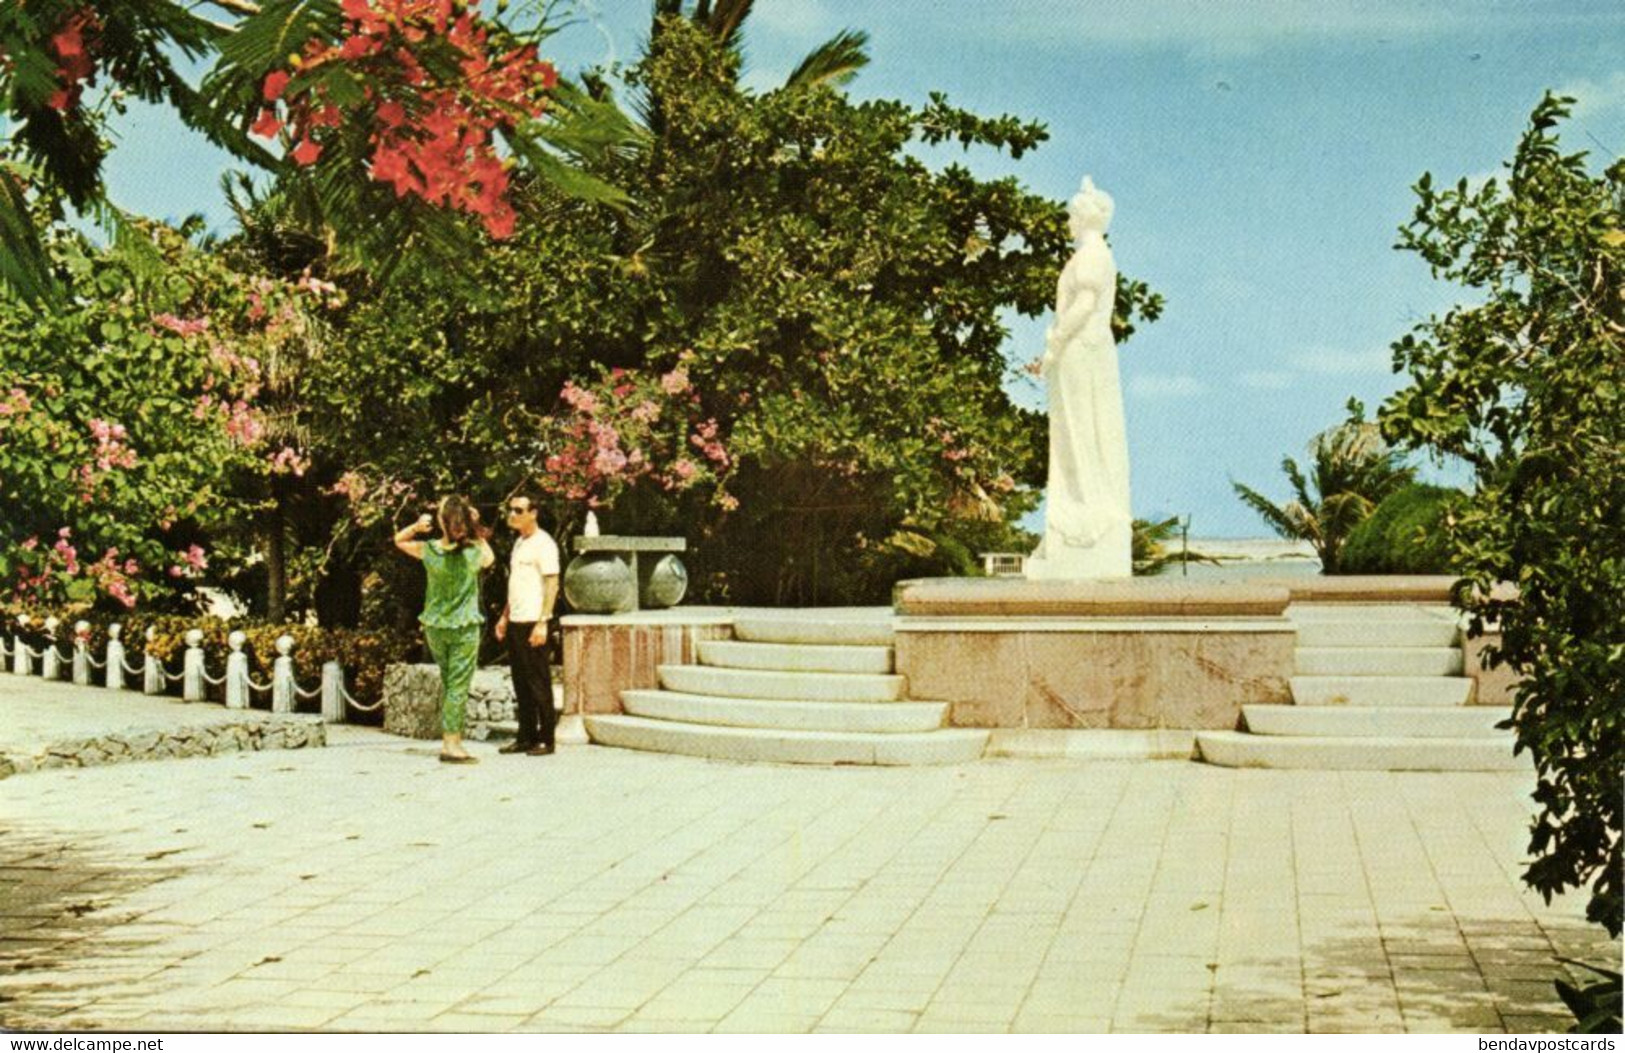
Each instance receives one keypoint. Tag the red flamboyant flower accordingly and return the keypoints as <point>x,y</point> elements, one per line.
<point>431,135</point>
<point>275,85</point>
<point>73,52</point>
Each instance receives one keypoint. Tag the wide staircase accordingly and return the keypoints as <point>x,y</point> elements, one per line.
<point>1377,688</point>
<point>812,688</point>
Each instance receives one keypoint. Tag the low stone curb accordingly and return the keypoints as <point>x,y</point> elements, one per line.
<point>208,740</point>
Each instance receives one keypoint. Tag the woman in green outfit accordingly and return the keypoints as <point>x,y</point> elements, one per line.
<point>451,616</point>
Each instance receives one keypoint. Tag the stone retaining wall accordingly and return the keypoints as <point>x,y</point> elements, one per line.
<point>201,740</point>
<point>607,654</point>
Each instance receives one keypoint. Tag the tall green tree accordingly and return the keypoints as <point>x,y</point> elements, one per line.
<point>1526,386</point>
<point>1351,470</point>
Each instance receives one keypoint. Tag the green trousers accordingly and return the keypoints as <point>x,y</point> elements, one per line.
<point>455,651</point>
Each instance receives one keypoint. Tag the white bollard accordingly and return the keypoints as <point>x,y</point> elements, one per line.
<point>20,663</point>
<point>192,667</point>
<point>115,657</point>
<point>332,693</point>
<point>283,698</point>
<point>52,660</point>
<point>152,673</point>
<point>52,664</point>
<point>236,672</point>
<point>81,654</point>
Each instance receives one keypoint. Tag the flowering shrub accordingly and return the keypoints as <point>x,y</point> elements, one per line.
<point>628,427</point>
<point>126,418</point>
<point>438,84</point>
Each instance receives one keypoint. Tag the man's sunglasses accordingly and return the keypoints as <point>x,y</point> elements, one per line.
<point>517,510</point>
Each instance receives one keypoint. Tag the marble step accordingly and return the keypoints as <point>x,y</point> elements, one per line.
<point>1382,690</point>
<point>1402,629</point>
<point>1238,749</point>
<point>794,687</point>
<point>801,658</point>
<point>1379,661</point>
<point>945,746</point>
<point>898,717</point>
<point>810,627</point>
<point>1446,722</point>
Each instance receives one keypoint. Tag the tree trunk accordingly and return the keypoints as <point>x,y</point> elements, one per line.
<point>338,593</point>
<point>276,565</point>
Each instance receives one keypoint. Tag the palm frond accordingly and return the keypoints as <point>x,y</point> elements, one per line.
<point>725,19</point>
<point>25,269</point>
<point>835,62</point>
<point>1276,516</point>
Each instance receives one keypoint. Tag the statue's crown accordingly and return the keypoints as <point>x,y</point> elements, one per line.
<point>1091,208</point>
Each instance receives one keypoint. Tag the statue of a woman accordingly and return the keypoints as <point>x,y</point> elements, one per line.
<point>1088,527</point>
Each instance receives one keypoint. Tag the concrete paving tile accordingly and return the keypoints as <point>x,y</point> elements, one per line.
<point>1536,1023</point>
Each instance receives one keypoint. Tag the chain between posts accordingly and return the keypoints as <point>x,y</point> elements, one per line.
<point>18,656</point>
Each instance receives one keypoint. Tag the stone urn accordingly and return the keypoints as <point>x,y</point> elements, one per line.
<point>600,583</point>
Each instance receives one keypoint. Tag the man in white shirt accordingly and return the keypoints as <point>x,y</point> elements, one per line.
<point>533,587</point>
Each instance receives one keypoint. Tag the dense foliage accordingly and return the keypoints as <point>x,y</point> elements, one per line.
<point>1351,471</point>
<point>1526,386</point>
<point>788,350</point>
<point>1405,534</point>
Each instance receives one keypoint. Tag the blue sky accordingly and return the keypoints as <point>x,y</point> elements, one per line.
<point>1261,153</point>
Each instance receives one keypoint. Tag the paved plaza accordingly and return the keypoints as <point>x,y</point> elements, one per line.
<point>362,886</point>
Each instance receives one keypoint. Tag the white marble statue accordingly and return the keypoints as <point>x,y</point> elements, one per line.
<point>1088,528</point>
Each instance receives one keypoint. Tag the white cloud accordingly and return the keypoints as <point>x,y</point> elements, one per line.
<point>1341,362</point>
<point>1165,386</point>
<point>1267,380</point>
<point>1594,97</point>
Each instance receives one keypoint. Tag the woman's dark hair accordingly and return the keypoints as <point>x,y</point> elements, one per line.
<point>459,522</point>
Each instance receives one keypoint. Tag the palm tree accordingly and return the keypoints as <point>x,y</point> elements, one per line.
<point>1351,470</point>
<point>835,62</point>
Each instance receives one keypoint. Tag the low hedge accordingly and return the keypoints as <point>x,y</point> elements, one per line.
<point>1405,534</point>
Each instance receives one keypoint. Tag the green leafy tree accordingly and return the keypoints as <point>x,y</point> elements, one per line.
<point>1526,386</point>
<point>1351,470</point>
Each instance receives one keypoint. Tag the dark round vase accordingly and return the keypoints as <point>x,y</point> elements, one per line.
<point>664,583</point>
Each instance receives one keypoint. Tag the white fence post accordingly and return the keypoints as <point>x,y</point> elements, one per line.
<point>115,657</point>
<point>236,672</point>
<point>20,663</point>
<point>332,693</point>
<point>152,672</point>
<point>81,653</point>
<point>282,682</point>
<point>52,664</point>
<point>192,667</point>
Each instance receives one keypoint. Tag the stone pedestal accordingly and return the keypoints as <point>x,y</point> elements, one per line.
<point>1133,654</point>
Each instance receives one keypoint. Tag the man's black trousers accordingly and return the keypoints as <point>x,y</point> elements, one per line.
<point>532,685</point>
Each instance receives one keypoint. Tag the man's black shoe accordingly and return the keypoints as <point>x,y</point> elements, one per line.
<point>517,747</point>
<point>539,750</point>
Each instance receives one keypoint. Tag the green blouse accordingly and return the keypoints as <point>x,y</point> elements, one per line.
<point>453,597</point>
